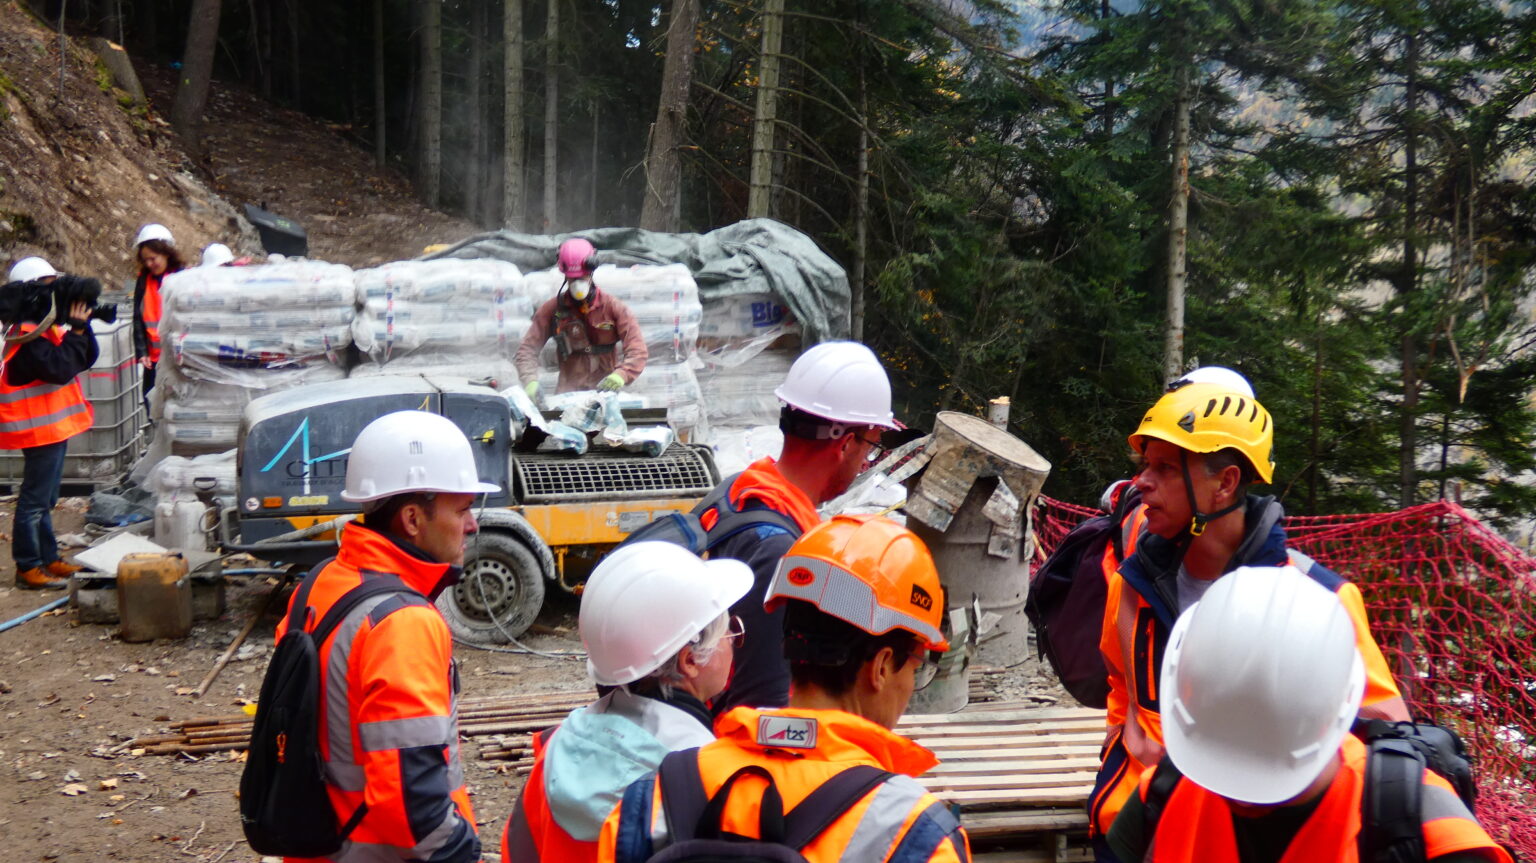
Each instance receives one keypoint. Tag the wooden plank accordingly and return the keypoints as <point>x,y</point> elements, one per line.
<point>998,826</point>
<point>1028,741</point>
<point>1003,798</point>
<point>1003,730</point>
<point>1025,782</point>
<point>1015,767</point>
<point>1002,713</point>
<point>1034,855</point>
<point>1034,753</point>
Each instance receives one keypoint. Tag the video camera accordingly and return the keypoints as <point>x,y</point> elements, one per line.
<point>34,302</point>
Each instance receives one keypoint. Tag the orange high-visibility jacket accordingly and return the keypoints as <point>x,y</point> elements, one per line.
<point>1196,825</point>
<point>897,821</point>
<point>1137,624</point>
<point>390,693</point>
<point>147,308</point>
<point>531,834</point>
<point>41,413</point>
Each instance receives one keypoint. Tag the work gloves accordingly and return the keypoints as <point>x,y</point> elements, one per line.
<point>612,383</point>
<point>532,389</point>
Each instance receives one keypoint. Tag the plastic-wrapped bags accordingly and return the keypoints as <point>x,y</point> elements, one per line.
<point>238,325</point>
<point>207,474</point>
<point>743,395</point>
<point>651,440</point>
<point>563,438</point>
<point>441,314</point>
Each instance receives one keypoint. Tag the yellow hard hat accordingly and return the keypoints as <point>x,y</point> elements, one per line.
<point>1205,418</point>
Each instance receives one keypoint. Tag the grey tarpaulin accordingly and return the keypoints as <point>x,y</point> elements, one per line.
<point>752,257</point>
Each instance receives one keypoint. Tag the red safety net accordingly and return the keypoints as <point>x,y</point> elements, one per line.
<point>1453,606</point>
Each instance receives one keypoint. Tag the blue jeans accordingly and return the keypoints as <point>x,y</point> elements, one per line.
<point>42,470</point>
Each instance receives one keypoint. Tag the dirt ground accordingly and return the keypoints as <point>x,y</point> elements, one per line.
<point>72,693</point>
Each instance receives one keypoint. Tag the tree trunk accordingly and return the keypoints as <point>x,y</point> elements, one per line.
<point>512,172</point>
<point>380,107</point>
<point>431,101</point>
<point>1178,228</point>
<point>760,195</point>
<point>663,165</point>
<point>196,70</point>
<point>551,115</point>
<point>474,184</point>
<point>1408,286</point>
<point>860,212</point>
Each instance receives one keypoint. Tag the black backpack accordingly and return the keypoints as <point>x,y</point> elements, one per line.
<point>1391,829</point>
<point>699,531</point>
<point>1066,601</point>
<point>693,821</point>
<point>284,807</point>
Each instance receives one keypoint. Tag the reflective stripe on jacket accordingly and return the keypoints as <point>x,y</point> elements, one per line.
<point>898,821</point>
<point>581,769</point>
<point>1196,825</point>
<point>40,413</point>
<point>390,694</point>
<point>1136,627</point>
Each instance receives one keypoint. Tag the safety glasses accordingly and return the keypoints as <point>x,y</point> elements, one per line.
<point>927,666</point>
<point>735,631</point>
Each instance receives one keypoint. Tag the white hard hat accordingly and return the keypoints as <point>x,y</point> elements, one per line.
<point>645,602</point>
<point>1227,378</point>
<point>841,381</point>
<point>153,231</point>
<point>31,269</point>
<point>217,255</point>
<point>1261,681</point>
<point>411,451</point>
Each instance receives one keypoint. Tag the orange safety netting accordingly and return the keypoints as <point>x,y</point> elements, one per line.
<point>1453,606</point>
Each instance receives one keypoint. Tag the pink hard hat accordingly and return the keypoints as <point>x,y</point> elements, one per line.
<point>578,258</point>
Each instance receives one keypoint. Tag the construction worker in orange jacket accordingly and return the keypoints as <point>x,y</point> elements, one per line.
<point>155,252</point>
<point>1201,446</point>
<point>656,623</point>
<point>837,401</point>
<point>41,408</point>
<point>1263,679</point>
<point>391,691</point>
<point>864,609</point>
<point>589,328</point>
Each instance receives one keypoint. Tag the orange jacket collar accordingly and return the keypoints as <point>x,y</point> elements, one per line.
<point>840,736</point>
<point>761,481</point>
<point>363,548</point>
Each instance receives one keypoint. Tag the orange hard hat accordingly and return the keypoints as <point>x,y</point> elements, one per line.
<point>868,571</point>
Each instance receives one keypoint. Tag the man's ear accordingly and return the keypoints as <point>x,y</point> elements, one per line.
<point>1229,483</point>
<point>688,663</point>
<point>879,670</point>
<point>409,520</point>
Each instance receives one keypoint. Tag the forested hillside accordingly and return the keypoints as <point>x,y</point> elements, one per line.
<point>1064,203</point>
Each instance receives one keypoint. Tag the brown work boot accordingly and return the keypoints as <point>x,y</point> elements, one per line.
<point>62,569</point>
<point>38,578</point>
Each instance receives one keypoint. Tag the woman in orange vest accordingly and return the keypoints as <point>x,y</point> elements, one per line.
<point>656,623</point>
<point>155,251</point>
<point>1263,679</point>
<point>41,408</point>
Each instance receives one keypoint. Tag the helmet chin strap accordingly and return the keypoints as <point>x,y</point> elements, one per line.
<point>1200,520</point>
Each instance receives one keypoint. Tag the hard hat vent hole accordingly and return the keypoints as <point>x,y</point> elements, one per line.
<point>1210,406</point>
<point>1240,405</point>
<point>416,448</point>
<point>1255,414</point>
<point>1226,402</point>
<point>1265,427</point>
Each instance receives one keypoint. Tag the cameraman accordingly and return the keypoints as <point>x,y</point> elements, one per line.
<point>41,408</point>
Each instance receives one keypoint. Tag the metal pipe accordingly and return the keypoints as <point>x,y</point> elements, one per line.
<point>37,612</point>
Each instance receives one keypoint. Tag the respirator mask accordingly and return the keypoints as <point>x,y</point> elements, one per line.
<point>580,289</point>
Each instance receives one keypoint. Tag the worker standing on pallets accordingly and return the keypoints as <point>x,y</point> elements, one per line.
<point>827,776</point>
<point>400,793</point>
<point>1201,446</point>
<point>41,408</point>
<point>837,399</point>
<point>590,327</point>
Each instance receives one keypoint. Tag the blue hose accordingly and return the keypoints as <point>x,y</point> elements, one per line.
<point>37,612</point>
<point>258,570</point>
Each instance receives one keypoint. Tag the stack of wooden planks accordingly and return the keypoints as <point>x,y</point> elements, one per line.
<point>1020,774</point>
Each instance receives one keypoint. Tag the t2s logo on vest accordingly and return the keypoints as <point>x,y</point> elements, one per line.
<point>786,732</point>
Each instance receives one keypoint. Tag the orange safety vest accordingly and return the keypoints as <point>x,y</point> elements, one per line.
<point>149,313</point>
<point>1133,642</point>
<point>1196,824</point>
<point>390,692</point>
<point>532,834</point>
<point>40,413</point>
<point>801,749</point>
